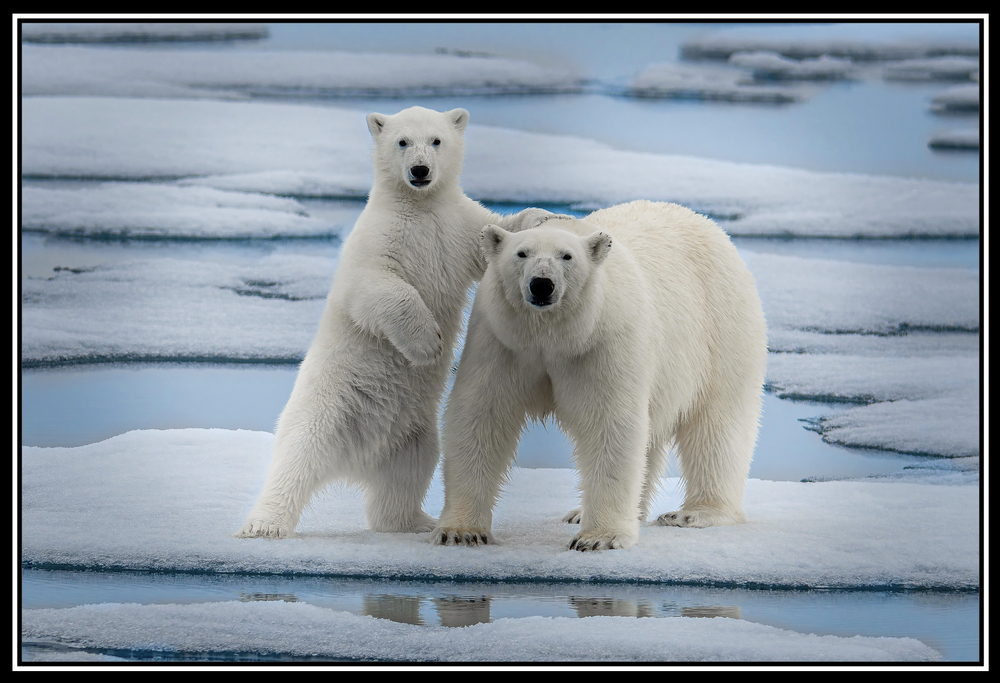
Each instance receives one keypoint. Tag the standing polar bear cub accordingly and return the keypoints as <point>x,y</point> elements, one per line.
<point>639,329</point>
<point>364,407</point>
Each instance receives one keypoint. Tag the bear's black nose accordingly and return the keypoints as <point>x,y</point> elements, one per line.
<point>541,287</point>
<point>419,171</point>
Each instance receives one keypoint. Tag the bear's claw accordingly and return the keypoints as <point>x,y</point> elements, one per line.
<point>467,537</point>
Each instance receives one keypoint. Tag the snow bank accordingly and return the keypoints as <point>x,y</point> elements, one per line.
<point>169,500</point>
<point>322,151</point>
<point>85,32</point>
<point>61,70</point>
<point>146,210</point>
<point>687,82</point>
<point>772,66</point>
<point>856,41</point>
<point>303,630</point>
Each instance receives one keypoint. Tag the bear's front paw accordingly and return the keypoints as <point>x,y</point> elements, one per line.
<point>263,528</point>
<point>573,516</point>
<point>444,535</point>
<point>532,218</point>
<point>424,348</point>
<point>585,542</point>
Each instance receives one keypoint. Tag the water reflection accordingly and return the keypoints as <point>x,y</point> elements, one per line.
<point>404,609</point>
<point>458,611</point>
<point>609,607</point>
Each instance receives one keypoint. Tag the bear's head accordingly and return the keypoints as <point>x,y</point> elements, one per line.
<point>418,149</point>
<point>545,268</point>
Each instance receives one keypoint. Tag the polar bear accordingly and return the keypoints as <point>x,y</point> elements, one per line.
<point>640,330</point>
<point>364,407</point>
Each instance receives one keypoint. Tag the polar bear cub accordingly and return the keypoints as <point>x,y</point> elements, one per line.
<point>364,407</point>
<point>639,329</point>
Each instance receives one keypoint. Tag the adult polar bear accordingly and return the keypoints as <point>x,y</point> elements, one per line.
<point>655,341</point>
<point>364,407</point>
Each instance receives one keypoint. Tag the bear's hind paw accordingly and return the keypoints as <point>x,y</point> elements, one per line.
<point>698,519</point>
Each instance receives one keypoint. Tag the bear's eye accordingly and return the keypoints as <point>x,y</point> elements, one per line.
<point>521,254</point>
<point>437,142</point>
<point>567,257</point>
<point>402,143</point>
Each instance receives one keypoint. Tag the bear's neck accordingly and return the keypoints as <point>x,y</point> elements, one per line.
<point>397,193</point>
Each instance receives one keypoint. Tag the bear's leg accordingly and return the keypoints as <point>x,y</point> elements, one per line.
<point>610,451</point>
<point>299,468</point>
<point>656,460</point>
<point>486,411</point>
<point>395,486</point>
<point>714,447</point>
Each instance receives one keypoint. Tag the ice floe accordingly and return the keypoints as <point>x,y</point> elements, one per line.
<point>933,69</point>
<point>307,631</point>
<point>695,82</point>
<point>959,98</point>
<point>71,70</point>
<point>175,309</point>
<point>966,138</point>
<point>126,32</point>
<point>305,150</point>
<point>157,210</point>
<point>773,66</point>
<point>857,41</point>
<point>170,500</point>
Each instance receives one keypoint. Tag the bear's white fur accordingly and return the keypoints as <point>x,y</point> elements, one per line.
<point>364,408</point>
<point>640,329</point>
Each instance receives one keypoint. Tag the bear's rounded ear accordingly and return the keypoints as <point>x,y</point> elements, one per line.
<point>376,122</point>
<point>598,246</point>
<point>491,241</point>
<point>459,118</point>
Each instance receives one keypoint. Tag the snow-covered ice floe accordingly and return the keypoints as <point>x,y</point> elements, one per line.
<point>157,210</point>
<point>175,309</point>
<point>306,631</point>
<point>863,42</point>
<point>966,138</point>
<point>933,69</point>
<point>70,70</point>
<point>126,32</point>
<point>695,82</point>
<point>772,66</point>
<point>301,150</point>
<point>902,341</point>
<point>959,98</point>
<point>93,507</point>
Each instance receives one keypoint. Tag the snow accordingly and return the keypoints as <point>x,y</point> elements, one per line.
<point>857,41</point>
<point>305,630</point>
<point>965,138</point>
<point>695,82</point>
<point>262,309</point>
<point>70,70</point>
<point>303,150</point>
<point>124,32</point>
<point>170,500</point>
<point>771,65</point>
<point>145,210</point>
